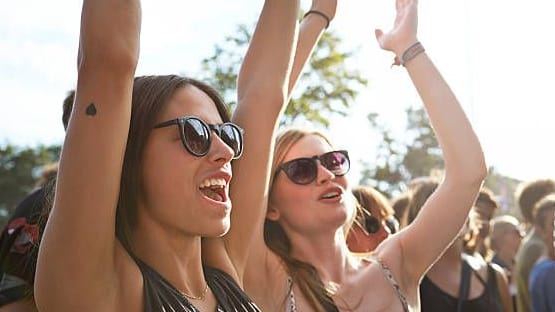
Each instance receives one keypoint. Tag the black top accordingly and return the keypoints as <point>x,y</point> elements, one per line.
<point>160,295</point>
<point>434,299</point>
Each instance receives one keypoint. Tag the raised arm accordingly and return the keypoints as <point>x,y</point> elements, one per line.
<point>268,74</point>
<point>76,265</point>
<point>446,210</point>
<point>313,25</point>
<point>262,92</point>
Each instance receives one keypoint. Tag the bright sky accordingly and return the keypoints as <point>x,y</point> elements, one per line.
<point>496,55</point>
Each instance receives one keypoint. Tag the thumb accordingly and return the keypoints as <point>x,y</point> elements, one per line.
<point>378,33</point>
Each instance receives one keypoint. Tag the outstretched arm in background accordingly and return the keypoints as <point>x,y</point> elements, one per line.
<point>465,167</point>
<point>77,265</point>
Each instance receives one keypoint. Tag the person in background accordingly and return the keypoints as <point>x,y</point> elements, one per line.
<point>374,222</point>
<point>542,277</point>
<point>505,239</point>
<point>486,287</point>
<point>21,236</point>
<point>528,194</point>
<point>482,212</point>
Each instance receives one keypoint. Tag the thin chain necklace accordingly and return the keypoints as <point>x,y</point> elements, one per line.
<point>199,297</point>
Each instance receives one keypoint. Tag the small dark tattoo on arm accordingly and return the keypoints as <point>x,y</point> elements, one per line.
<point>91,110</point>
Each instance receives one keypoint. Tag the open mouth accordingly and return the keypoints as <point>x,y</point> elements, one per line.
<point>214,189</point>
<point>330,195</point>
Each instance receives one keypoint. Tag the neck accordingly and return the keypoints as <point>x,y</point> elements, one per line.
<point>175,256</point>
<point>328,254</point>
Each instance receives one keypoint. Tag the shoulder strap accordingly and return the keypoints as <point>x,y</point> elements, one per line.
<point>464,286</point>
<point>389,276</point>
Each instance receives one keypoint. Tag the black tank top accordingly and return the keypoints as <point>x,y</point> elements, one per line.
<point>433,299</point>
<point>160,295</point>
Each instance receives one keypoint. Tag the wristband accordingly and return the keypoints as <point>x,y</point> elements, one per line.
<point>320,14</point>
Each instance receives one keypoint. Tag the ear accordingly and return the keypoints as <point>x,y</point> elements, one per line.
<point>272,213</point>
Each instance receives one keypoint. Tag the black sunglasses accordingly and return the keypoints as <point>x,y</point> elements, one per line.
<point>196,135</point>
<point>305,170</point>
<point>371,224</point>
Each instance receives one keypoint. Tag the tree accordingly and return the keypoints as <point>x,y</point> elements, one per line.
<point>326,87</point>
<point>398,161</point>
<point>19,170</point>
<point>418,154</point>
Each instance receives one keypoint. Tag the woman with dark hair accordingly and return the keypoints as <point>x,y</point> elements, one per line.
<point>457,282</point>
<point>298,258</point>
<point>145,173</point>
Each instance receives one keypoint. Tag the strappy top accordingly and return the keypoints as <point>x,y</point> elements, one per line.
<point>389,276</point>
<point>434,298</point>
<point>290,305</point>
<point>160,295</point>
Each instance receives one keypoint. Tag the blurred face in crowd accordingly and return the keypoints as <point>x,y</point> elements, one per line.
<point>483,213</point>
<point>369,230</point>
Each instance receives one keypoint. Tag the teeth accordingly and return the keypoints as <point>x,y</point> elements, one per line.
<point>213,183</point>
<point>330,195</point>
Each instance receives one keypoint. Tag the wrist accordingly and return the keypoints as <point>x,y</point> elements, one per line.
<point>319,14</point>
<point>409,54</point>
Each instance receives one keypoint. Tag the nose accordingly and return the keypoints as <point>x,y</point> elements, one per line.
<point>219,150</point>
<point>324,175</point>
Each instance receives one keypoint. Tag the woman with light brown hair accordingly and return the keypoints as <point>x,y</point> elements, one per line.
<point>298,256</point>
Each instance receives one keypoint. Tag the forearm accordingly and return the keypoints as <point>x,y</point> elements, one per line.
<point>109,34</point>
<point>311,29</point>
<point>462,152</point>
<point>267,64</point>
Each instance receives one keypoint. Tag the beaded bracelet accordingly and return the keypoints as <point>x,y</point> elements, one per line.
<point>321,14</point>
<point>409,54</point>
<point>412,52</point>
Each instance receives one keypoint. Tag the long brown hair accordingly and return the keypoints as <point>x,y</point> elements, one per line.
<point>150,95</point>
<point>303,274</point>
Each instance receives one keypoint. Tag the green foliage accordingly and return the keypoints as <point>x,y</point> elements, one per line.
<point>399,161</point>
<point>326,87</point>
<point>19,170</point>
<point>418,154</point>
<point>504,188</point>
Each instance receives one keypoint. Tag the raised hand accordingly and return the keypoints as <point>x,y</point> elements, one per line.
<point>403,33</point>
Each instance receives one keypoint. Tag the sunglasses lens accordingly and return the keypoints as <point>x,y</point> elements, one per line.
<point>302,171</point>
<point>197,136</point>
<point>337,162</point>
<point>372,225</point>
<point>392,224</point>
<point>232,136</point>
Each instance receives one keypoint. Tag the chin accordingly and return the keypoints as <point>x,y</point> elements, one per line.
<point>218,230</point>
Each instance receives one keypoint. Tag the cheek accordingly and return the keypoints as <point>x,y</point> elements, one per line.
<point>166,171</point>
